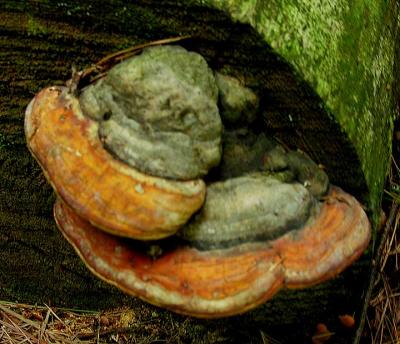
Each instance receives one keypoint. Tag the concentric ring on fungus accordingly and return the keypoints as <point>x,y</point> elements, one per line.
<point>108,193</point>
<point>225,282</point>
<point>233,249</point>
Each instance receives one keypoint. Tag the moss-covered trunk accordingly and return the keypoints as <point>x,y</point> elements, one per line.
<point>41,40</point>
<point>345,50</point>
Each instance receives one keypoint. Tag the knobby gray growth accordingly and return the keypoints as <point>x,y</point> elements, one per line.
<point>255,207</point>
<point>158,112</point>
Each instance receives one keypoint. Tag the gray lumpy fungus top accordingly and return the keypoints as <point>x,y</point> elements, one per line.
<point>158,113</point>
<point>254,207</point>
<point>244,151</point>
<point>238,104</point>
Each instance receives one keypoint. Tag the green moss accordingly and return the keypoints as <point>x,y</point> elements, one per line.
<point>345,51</point>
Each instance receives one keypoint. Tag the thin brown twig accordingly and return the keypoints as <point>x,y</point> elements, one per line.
<point>44,325</point>
<point>140,47</point>
<point>395,163</point>
<point>389,326</point>
<point>74,311</point>
<point>58,318</point>
<point>389,243</point>
<point>103,65</point>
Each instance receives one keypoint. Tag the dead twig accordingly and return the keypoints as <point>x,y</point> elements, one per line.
<point>100,68</point>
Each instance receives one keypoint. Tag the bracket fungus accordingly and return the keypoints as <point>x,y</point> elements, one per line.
<point>130,156</point>
<point>109,193</point>
<point>165,102</point>
<point>221,282</point>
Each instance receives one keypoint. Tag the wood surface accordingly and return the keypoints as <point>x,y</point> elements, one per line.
<point>40,41</point>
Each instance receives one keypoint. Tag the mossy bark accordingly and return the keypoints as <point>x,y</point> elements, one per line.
<point>39,42</point>
<point>346,51</point>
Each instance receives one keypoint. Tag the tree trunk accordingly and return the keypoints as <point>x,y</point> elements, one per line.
<point>304,105</point>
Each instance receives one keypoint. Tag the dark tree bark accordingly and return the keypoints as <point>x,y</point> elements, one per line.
<point>39,43</point>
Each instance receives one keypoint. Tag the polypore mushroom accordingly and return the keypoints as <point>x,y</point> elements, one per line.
<point>255,207</point>
<point>127,155</point>
<point>157,114</point>
<point>238,104</point>
<point>221,282</point>
<point>244,151</point>
<point>336,238</point>
<point>107,192</point>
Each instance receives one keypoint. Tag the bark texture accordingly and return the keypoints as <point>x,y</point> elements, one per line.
<point>41,40</point>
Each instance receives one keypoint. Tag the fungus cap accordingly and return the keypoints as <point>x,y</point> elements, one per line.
<point>158,112</point>
<point>222,282</point>
<point>107,192</point>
